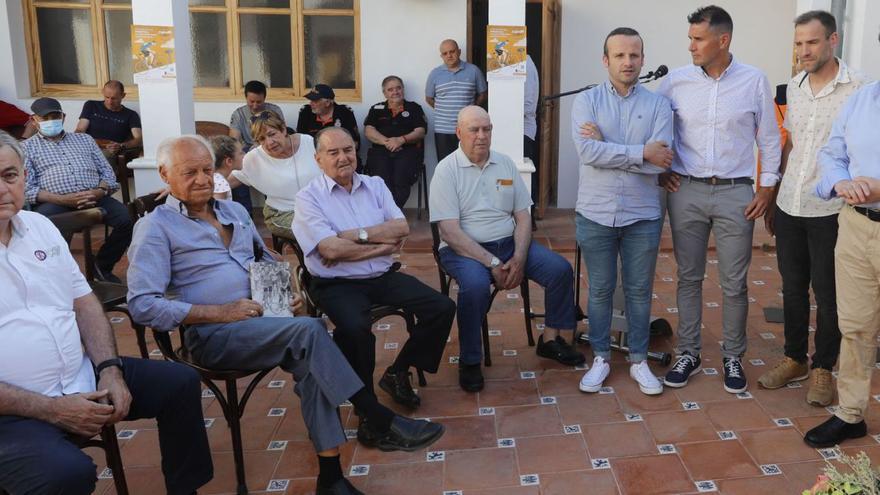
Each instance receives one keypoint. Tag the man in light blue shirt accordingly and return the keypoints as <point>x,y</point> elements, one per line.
<point>850,170</point>
<point>623,134</point>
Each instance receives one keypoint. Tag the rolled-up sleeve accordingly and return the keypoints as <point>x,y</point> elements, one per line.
<point>832,157</point>
<point>310,225</point>
<point>149,274</point>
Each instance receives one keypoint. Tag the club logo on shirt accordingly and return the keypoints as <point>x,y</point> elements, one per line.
<point>338,123</point>
<point>40,254</point>
<point>405,113</point>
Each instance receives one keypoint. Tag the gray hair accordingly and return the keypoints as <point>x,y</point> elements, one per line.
<point>319,137</point>
<point>6,140</point>
<point>167,146</point>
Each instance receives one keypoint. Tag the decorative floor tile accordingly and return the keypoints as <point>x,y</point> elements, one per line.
<point>359,470</point>
<point>572,429</point>
<point>209,422</point>
<point>831,409</point>
<point>770,469</point>
<point>758,282</point>
<point>512,295</point>
<point>126,434</point>
<point>540,326</point>
<point>712,304</point>
<point>436,456</point>
<point>207,394</point>
<point>713,262</point>
<point>744,395</point>
<point>600,463</point>
<point>782,422</point>
<point>710,371</point>
<point>756,362</point>
<point>506,443</point>
<point>487,411</point>
<point>276,384</point>
<point>277,411</point>
<point>494,333</point>
<point>383,326</point>
<point>829,453</point>
<point>793,385</point>
<point>706,486</point>
<point>508,352</point>
<point>351,433</point>
<point>453,359</point>
<point>752,300</point>
<point>727,435</point>
<point>633,417</point>
<point>766,268</point>
<point>453,492</point>
<point>767,335</point>
<point>548,400</point>
<point>606,390</point>
<point>690,406</point>
<point>391,346</point>
<point>876,437</point>
<point>277,485</point>
<point>277,445</point>
<point>672,310</point>
<point>666,448</point>
<point>106,474</point>
<point>527,375</point>
<point>666,279</point>
<point>117,320</point>
<point>155,353</point>
<point>529,480</point>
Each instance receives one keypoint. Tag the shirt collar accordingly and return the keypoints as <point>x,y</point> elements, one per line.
<point>730,68</point>
<point>330,184</point>
<point>19,227</point>
<point>51,140</point>
<point>178,205</point>
<point>842,77</point>
<point>464,162</point>
<point>610,88</point>
<point>461,64</point>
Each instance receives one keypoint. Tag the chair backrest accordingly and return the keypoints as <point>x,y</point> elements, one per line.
<point>206,128</point>
<point>81,222</point>
<point>142,205</point>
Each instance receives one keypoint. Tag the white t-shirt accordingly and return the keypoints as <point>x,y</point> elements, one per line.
<point>42,349</point>
<point>280,178</point>
<point>221,186</point>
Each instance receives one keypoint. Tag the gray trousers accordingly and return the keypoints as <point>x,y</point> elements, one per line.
<point>694,211</point>
<point>300,346</point>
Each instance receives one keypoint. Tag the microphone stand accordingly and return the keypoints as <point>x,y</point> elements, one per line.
<point>650,76</point>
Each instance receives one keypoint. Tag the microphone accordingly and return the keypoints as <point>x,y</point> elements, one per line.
<point>655,74</point>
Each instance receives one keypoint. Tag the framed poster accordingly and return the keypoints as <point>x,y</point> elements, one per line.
<point>505,52</point>
<point>152,53</point>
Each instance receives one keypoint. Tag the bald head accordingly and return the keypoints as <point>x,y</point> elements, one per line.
<point>450,53</point>
<point>324,136</point>
<point>474,131</point>
<point>336,155</point>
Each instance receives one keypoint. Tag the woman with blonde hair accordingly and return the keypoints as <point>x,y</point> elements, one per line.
<point>279,167</point>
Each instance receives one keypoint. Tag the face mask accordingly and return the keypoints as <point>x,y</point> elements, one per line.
<point>51,128</point>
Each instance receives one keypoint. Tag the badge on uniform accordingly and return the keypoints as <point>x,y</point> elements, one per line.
<point>380,106</point>
<point>338,123</point>
<point>40,254</point>
<point>405,113</point>
<point>504,182</point>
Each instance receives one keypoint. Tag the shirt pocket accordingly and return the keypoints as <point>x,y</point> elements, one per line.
<point>503,195</point>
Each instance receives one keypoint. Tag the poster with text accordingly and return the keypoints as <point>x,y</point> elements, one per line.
<point>152,53</point>
<point>505,52</point>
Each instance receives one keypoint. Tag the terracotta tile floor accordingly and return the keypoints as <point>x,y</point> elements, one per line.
<point>578,443</point>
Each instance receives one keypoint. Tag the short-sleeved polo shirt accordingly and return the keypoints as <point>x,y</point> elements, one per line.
<point>452,91</point>
<point>42,348</point>
<point>483,200</point>
<point>391,124</point>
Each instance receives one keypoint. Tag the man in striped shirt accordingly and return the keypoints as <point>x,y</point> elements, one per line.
<point>451,86</point>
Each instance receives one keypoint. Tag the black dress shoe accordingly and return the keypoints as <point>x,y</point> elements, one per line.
<point>366,434</point>
<point>560,350</point>
<point>833,432</point>
<point>409,435</point>
<point>470,377</point>
<point>341,487</point>
<point>399,388</point>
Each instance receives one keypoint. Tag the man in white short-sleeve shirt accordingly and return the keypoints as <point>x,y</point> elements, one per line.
<point>48,388</point>
<point>482,207</point>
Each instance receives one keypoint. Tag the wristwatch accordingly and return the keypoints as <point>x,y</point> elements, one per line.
<point>362,236</point>
<point>105,189</point>
<point>117,361</point>
<point>494,262</point>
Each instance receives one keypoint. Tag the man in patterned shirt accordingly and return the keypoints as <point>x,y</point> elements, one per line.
<point>804,224</point>
<point>67,171</point>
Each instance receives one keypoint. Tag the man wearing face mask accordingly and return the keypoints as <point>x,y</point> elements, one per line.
<point>67,171</point>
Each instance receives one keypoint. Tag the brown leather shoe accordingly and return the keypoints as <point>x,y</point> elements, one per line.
<point>821,391</point>
<point>786,371</point>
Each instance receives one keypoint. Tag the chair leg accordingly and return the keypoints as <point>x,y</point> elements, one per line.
<point>140,331</point>
<point>527,310</point>
<point>114,459</point>
<point>487,354</point>
<point>419,192</point>
<point>421,375</point>
<point>233,418</point>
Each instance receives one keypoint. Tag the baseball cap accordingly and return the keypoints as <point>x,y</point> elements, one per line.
<point>321,91</point>
<point>45,106</point>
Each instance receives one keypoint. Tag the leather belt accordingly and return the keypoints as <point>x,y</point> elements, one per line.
<point>872,215</point>
<point>718,181</point>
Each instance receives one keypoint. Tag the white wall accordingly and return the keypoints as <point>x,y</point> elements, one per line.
<point>762,36</point>
<point>399,37</point>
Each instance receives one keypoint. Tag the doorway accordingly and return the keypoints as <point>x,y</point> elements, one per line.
<point>543,34</point>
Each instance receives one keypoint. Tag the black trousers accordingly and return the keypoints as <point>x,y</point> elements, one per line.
<point>39,458</point>
<point>445,144</point>
<point>117,217</point>
<point>399,170</point>
<point>805,254</point>
<point>242,195</point>
<point>347,303</point>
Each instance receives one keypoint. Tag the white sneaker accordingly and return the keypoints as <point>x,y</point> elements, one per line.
<point>592,380</point>
<point>648,383</point>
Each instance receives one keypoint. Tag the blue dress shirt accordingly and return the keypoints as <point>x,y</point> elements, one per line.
<point>617,187</point>
<point>176,261</point>
<point>853,149</point>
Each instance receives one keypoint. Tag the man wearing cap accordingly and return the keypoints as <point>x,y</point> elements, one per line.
<point>323,111</point>
<point>67,171</point>
<point>451,86</point>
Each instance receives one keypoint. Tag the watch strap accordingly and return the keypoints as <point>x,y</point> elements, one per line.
<point>117,361</point>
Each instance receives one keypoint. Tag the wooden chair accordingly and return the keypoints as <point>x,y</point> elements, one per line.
<point>422,187</point>
<point>107,442</point>
<point>230,402</point>
<point>377,311</point>
<point>207,129</point>
<point>446,282</point>
<point>113,296</point>
<point>119,162</point>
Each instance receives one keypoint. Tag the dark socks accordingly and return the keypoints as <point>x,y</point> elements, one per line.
<point>396,367</point>
<point>329,471</point>
<point>377,414</point>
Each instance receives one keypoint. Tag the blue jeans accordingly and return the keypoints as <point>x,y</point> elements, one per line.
<point>637,245</point>
<point>545,267</point>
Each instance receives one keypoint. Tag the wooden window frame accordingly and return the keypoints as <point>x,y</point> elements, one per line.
<point>235,92</point>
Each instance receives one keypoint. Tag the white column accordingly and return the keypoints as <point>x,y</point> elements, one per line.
<point>166,107</point>
<point>506,97</point>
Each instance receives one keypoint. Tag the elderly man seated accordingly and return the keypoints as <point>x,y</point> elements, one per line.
<point>48,390</point>
<point>189,265</point>
<point>111,121</point>
<point>67,171</point>
<point>348,227</point>
<point>482,207</point>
